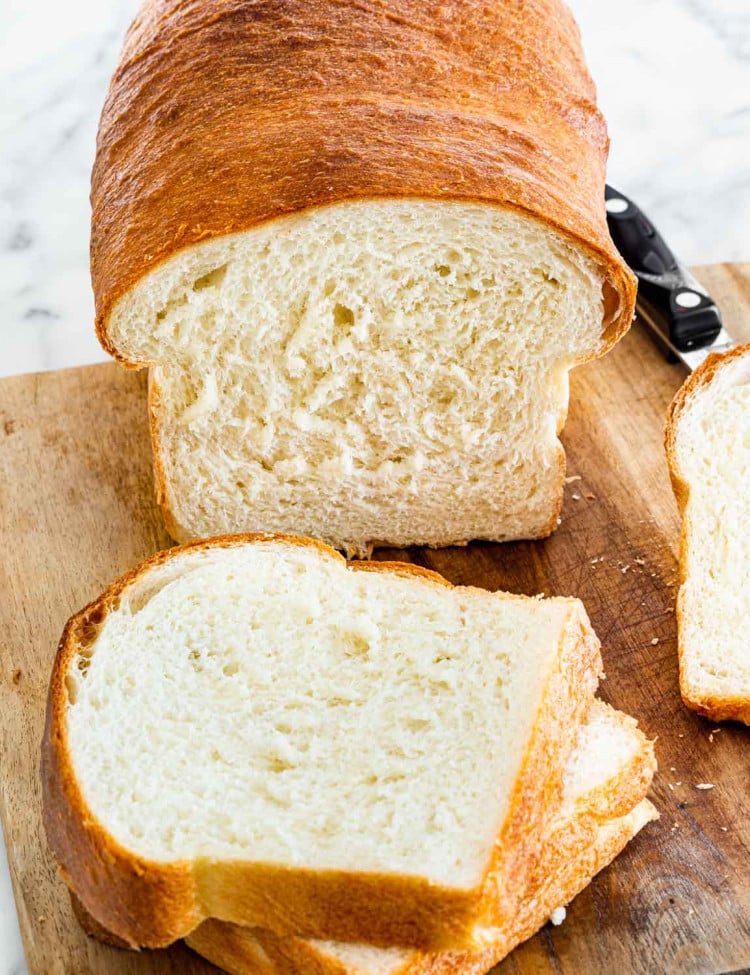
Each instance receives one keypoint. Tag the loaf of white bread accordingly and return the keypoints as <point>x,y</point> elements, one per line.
<point>359,249</point>
<point>330,758</point>
<point>708,448</point>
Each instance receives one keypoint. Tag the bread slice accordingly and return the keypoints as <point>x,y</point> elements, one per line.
<point>606,782</point>
<point>246,951</point>
<point>252,951</point>
<point>708,447</point>
<point>249,728</point>
<point>359,307</point>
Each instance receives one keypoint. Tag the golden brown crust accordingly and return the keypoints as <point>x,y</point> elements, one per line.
<point>725,708</point>
<point>91,926</point>
<point>564,868</point>
<point>589,848</point>
<point>151,904</point>
<point>161,482</point>
<point>568,696</point>
<point>702,377</point>
<point>224,115</point>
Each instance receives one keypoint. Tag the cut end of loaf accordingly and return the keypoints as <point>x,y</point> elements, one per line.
<point>384,371</point>
<point>264,700</point>
<point>708,444</point>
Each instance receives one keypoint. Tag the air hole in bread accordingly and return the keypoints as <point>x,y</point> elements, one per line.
<point>212,279</point>
<point>439,332</point>
<point>342,316</point>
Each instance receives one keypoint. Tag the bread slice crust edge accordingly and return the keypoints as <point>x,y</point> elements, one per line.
<point>729,707</point>
<point>581,843</point>
<point>151,904</point>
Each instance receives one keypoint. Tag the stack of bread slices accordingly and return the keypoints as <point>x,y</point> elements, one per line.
<point>303,765</point>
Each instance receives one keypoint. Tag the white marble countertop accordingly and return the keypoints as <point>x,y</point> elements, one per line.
<point>674,83</point>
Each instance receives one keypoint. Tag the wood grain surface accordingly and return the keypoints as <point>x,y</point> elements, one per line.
<point>77,508</point>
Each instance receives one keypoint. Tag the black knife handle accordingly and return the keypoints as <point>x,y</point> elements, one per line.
<point>684,309</point>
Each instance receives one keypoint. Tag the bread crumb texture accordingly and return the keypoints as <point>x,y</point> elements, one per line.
<point>266,701</point>
<point>382,370</point>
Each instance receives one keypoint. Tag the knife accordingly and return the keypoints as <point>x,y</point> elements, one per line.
<point>675,306</point>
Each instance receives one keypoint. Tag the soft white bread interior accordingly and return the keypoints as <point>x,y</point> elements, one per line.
<point>383,371</point>
<point>227,685</point>
<point>708,445</point>
<point>604,806</point>
<point>258,705</point>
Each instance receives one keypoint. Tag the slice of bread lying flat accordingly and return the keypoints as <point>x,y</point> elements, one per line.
<point>604,807</point>
<point>359,307</point>
<point>251,729</point>
<point>708,447</point>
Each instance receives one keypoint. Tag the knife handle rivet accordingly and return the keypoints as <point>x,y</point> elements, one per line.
<point>687,299</point>
<point>616,204</point>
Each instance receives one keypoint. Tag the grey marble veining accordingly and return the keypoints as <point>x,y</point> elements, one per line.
<point>674,83</point>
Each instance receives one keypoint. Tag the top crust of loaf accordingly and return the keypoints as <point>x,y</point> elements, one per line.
<point>719,369</point>
<point>153,904</point>
<point>225,115</point>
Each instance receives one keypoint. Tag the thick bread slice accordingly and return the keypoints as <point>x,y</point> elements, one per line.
<point>708,447</point>
<point>606,782</point>
<point>252,951</point>
<point>251,729</point>
<point>243,951</point>
<point>359,306</point>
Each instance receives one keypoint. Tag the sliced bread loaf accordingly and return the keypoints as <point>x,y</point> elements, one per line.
<point>253,730</point>
<point>708,447</point>
<point>359,306</point>
<point>604,807</point>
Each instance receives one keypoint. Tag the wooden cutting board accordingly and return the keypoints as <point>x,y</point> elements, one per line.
<point>77,509</point>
